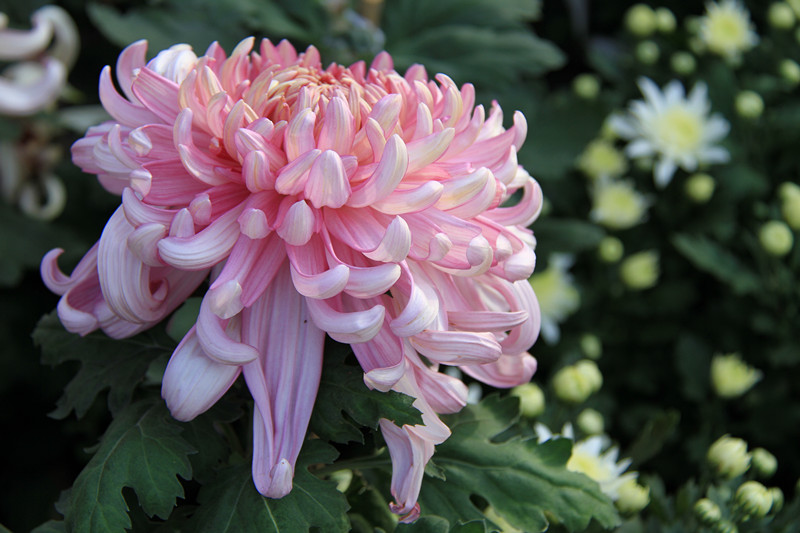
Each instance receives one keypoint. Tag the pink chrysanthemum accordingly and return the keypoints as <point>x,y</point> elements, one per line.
<point>351,201</point>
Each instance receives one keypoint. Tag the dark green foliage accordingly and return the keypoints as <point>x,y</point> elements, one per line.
<point>343,398</point>
<point>117,365</point>
<point>519,478</point>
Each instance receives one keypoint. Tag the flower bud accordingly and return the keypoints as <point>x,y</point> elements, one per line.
<point>531,399</point>
<point>752,500</point>
<point>777,499</point>
<point>665,20</point>
<point>591,422</point>
<point>707,512</point>
<point>790,71</point>
<point>648,52</point>
<point>725,526</point>
<point>575,383</point>
<point>617,204</point>
<point>632,497</point>
<point>610,249</point>
<point>731,377</point>
<point>776,238</point>
<point>343,478</point>
<point>640,271</point>
<point>601,159</point>
<point>683,63</point>
<point>641,20</point>
<point>764,463</point>
<point>586,86</point>
<point>591,345</point>
<point>781,16</point>
<point>589,371</point>
<point>749,104</point>
<point>700,188</point>
<point>728,456</point>
<point>789,194</point>
<point>788,189</point>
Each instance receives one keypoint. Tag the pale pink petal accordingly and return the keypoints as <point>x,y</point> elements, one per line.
<point>327,183</point>
<point>214,334</point>
<point>508,371</point>
<point>193,382</point>
<point>350,328</point>
<point>205,249</point>
<point>283,381</point>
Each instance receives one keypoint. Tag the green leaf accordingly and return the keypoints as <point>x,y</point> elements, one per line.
<point>567,235</point>
<point>521,479</point>
<point>231,503</point>
<point>141,449</point>
<point>710,257</point>
<point>342,390</point>
<point>425,524</point>
<point>483,42</point>
<point>51,526</point>
<point>118,365</point>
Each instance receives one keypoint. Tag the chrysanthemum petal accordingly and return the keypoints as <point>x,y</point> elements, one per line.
<point>192,381</point>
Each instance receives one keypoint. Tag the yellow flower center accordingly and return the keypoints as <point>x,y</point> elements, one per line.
<point>588,464</point>
<point>727,29</point>
<point>680,130</point>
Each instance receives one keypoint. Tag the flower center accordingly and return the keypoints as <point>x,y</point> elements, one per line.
<point>588,464</point>
<point>726,30</point>
<point>680,130</point>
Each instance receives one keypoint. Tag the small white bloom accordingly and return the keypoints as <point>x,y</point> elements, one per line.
<point>726,29</point>
<point>674,127</point>
<point>558,297</point>
<point>594,458</point>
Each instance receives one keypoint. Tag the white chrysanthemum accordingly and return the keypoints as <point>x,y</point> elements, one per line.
<point>617,204</point>
<point>592,457</point>
<point>557,295</point>
<point>726,29</point>
<point>675,128</point>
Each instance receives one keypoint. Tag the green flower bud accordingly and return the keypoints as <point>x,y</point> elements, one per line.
<point>731,377</point>
<point>589,371</point>
<point>610,249</point>
<point>531,399</point>
<point>777,499</point>
<point>343,478</point>
<point>707,512</point>
<point>788,189</point>
<point>776,238</point>
<point>781,16</point>
<point>665,20</point>
<point>749,104</point>
<point>648,52</point>
<point>725,526</point>
<point>728,457</point>
<point>632,497</point>
<point>591,422</point>
<point>764,463</point>
<point>789,194</point>
<point>641,20</point>
<point>640,271</point>
<point>700,188</point>
<point>790,71</point>
<point>752,500</point>
<point>683,63</point>
<point>587,86</point>
<point>575,383</point>
<point>591,346</point>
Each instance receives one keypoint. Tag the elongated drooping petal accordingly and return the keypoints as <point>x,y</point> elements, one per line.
<point>283,380</point>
